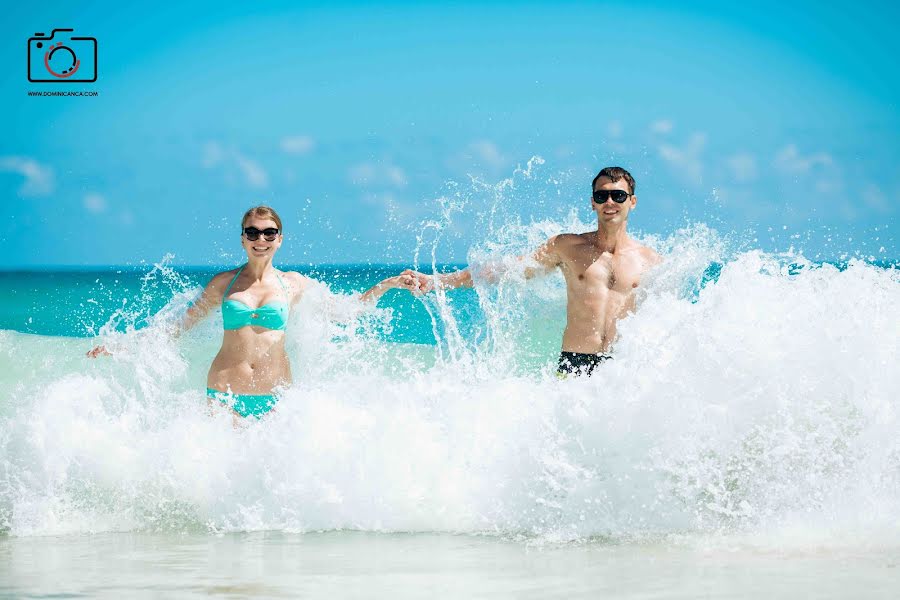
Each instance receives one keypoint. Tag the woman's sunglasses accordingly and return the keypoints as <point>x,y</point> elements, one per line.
<point>252,233</point>
<point>618,196</point>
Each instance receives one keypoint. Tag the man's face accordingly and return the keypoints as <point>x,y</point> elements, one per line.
<point>611,211</point>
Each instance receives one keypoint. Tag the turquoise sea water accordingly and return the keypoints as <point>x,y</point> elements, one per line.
<point>747,425</point>
<point>77,303</point>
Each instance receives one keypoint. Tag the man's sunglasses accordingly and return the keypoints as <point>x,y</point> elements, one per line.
<point>253,233</point>
<point>618,196</point>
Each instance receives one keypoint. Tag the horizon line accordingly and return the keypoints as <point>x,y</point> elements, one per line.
<point>881,262</point>
<point>132,267</point>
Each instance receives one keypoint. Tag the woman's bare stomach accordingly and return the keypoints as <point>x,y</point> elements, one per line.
<point>249,363</point>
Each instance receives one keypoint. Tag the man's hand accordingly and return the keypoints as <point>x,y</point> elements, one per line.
<point>417,283</point>
<point>404,281</point>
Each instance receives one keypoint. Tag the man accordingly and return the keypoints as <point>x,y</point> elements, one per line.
<point>602,268</point>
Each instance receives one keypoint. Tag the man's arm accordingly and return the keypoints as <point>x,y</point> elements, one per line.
<point>651,258</point>
<point>540,262</point>
<point>422,283</point>
<point>544,259</point>
<point>455,280</point>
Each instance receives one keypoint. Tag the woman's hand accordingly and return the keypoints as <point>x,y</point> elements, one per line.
<point>406,280</point>
<point>98,351</point>
<point>415,282</point>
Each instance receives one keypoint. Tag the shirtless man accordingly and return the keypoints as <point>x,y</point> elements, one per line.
<point>602,268</point>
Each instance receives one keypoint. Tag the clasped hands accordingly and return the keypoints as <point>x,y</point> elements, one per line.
<point>415,282</point>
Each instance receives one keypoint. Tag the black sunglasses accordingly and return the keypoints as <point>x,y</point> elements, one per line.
<point>618,196</point>
<point>253,233</point>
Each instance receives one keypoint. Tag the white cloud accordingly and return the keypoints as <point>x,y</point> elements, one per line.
<point>742,166</point>
<point>374,174</point>
<point>488,153</point>
<point>875,199</point>
<point>480,158</point>
<point>615,129</point>
<point>39,180</point>
<point>662,126</point>
<point>826,186</point>
<point>254,174</point>
<point>94,202</point>
<point>396,176</point>
<point>789,160</point>
<point>298,144</point>
<point>362,173</point>
<point>686,159</point>
<point>214,154</point>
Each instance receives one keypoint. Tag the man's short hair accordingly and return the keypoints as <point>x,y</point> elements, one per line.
<point>615,174</point>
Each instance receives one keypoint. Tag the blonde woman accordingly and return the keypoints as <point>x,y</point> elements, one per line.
<point>256,300</point>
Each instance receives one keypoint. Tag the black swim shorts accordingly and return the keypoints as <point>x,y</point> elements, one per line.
<point>578,363</point>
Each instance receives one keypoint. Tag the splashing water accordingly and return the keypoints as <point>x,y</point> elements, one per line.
<point>752,394</point>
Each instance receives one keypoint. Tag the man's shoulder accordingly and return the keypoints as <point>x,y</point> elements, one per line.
<point>647,254</point>
<point>563,245</point>
<point>569,240</point>
<point>571,237</point>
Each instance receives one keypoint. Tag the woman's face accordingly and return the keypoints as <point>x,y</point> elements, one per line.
<point>261,247</point>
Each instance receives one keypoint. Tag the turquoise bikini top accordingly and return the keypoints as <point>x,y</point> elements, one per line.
<point>236,314</point>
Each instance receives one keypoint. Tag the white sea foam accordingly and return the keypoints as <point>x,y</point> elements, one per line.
<point>764,405</point>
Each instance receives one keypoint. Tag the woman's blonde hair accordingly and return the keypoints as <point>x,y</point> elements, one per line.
<point>262,212</point>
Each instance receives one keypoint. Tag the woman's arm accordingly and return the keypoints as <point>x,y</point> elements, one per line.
<point>210,298</point>
<point>297,284</point>
<point>404,280</point>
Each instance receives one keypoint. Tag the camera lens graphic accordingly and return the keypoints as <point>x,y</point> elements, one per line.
<point>62,57</point>
<point>72,62</point>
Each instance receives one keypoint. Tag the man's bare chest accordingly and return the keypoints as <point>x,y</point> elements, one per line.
<point>594,272</point>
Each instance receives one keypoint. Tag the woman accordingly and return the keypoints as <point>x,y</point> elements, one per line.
<point>256,300</point>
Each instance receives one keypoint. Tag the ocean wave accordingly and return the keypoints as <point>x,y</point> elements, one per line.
<point>750,392</point>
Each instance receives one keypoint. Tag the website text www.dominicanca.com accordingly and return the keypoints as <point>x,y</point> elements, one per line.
<point>61,93</point>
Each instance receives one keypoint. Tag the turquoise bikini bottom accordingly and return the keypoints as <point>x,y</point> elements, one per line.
<point>246,405</point>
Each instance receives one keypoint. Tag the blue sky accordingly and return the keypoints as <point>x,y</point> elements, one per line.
<point>352,120</point>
